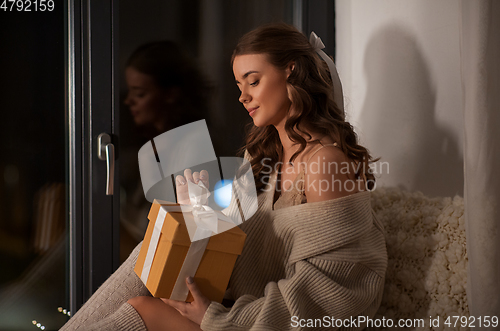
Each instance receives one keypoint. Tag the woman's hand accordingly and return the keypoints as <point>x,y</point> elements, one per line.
<point>182,187</point>
<point>192,310</point>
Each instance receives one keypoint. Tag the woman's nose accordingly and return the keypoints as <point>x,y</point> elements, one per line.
<point>244,97</point>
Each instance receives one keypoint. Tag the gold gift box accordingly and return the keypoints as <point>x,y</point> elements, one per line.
<point>215,268</point>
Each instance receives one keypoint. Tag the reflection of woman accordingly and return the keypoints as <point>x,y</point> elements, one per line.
<point>314,249</point>
<point>165,90</point>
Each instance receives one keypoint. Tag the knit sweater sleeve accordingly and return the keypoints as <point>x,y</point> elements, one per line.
<point>319,289</point>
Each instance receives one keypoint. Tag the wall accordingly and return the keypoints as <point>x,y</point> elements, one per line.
<point>399,62</point>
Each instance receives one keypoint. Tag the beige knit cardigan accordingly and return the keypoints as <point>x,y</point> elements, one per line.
<point>312,260</point>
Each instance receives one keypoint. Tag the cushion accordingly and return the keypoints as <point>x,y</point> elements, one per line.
<point>427,266</point>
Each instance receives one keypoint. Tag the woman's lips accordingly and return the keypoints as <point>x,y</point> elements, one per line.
<point>251,111</point>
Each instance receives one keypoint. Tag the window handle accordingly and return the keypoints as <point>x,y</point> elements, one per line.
<point>106,152</point>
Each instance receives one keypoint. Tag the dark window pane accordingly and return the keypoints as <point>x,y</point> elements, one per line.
<point>32,169</point>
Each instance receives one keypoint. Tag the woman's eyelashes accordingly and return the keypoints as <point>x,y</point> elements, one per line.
<point>255,83</point>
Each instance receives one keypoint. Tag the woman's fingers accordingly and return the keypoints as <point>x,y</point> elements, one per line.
<point>182,187</point>
<point>194,310</point>
<point>180,180</point>
<point>204,178</point>
<point>196,177</point>
<point>182,190</point>
<point>195,291</point>
<point>188,175</point>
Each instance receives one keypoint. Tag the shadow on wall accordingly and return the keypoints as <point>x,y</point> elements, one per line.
<point>398,117</point>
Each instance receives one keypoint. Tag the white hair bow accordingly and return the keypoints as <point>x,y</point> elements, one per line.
<point>318,45</point>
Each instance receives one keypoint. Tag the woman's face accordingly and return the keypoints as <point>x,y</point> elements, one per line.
<point>146,100</point>
<point>263,89</point>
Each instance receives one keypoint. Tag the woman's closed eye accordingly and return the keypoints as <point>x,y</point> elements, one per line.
<point>255,83</point>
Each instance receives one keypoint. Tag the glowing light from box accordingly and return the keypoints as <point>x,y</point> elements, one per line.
<point>223,192</point>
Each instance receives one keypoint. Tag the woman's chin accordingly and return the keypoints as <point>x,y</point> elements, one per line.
<point>259,124</point>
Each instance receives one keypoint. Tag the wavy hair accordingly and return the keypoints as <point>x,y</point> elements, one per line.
<point>313,109</point>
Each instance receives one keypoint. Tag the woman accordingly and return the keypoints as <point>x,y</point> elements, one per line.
<point>313,251</point>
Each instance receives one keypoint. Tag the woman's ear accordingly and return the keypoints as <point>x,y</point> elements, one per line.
<point>290,68</point>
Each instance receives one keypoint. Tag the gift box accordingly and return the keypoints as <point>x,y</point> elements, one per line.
<point>164,268</point>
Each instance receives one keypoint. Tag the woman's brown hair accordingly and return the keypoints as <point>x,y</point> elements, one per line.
<point>313,108</point>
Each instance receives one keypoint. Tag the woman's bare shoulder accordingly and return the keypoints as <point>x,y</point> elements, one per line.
<point>330,174</point>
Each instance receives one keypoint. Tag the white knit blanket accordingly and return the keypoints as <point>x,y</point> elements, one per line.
<point>427,268</point>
